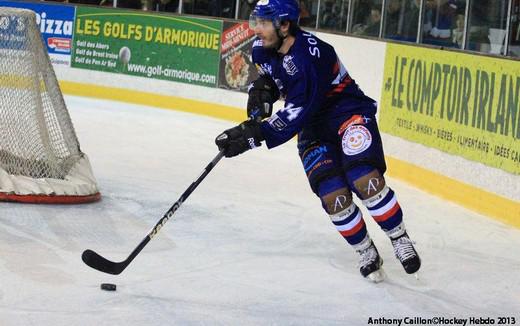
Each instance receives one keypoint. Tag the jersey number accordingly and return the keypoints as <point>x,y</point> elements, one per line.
<point>292,112</point>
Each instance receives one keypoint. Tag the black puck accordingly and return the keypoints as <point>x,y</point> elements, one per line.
<point>108,286</point>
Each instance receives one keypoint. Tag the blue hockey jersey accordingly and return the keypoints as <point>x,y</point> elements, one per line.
<point>314,83</point>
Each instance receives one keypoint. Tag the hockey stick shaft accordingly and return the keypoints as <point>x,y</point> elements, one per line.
<point>102,264</point>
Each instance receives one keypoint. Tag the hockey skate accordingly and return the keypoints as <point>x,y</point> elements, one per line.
<point>370,264</point>
<point>405,252</point>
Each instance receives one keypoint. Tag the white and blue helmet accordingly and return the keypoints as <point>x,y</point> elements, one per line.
<point>275,10</point>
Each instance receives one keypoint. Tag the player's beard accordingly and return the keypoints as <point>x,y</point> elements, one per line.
<point>272,42</point>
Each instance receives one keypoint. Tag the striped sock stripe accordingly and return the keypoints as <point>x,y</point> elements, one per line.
<point>386,210</point>
<point>346,216</point>
<point>350,225</point>
<point>381,201</point>
<point>393,222</point>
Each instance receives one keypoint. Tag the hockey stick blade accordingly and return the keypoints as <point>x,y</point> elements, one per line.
<point>94,260</point>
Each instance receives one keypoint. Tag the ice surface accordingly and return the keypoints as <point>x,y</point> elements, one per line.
<point>251,246</point>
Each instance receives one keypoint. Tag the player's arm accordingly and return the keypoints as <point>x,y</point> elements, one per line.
<point>237,140</point>
<point>305,93</point>
<point>304,97</point>
<point>263,92</point>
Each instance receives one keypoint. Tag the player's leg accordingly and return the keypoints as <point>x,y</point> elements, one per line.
<point>323,169</point>
<point>381,202</point>
<point>365,166</point>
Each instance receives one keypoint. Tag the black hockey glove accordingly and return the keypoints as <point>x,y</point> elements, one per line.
<point>263,92</point>
<point>241,138</point>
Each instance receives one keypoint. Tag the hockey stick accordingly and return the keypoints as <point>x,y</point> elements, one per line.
<point>96,261</point>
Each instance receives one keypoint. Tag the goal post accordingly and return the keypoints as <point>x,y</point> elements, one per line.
<point>40,156</point>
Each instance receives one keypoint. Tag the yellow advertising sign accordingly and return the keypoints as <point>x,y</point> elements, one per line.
<point>462,104</point>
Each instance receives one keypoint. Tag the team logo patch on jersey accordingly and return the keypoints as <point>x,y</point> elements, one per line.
<point>289,65</point>
<point>356,139</point>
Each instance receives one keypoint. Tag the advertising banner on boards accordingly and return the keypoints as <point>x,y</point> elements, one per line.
<point>236,67</point>
<point>463,104</point>
<point>152,45</point>
<point>56,24</point>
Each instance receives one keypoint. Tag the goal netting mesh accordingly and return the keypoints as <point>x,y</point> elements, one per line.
<point>40,156</point>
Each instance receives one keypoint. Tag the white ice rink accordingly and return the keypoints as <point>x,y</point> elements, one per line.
<point>251,246</point>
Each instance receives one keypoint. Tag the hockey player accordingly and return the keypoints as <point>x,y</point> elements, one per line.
<point>338,138</point>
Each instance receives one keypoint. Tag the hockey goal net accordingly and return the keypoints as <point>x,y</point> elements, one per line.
<point>40,156</point>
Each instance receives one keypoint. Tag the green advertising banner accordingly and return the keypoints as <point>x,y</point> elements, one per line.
<point>463,104</point>
<point>157,46</point>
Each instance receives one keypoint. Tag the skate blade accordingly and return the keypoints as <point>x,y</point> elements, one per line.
<point>377,276</point>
